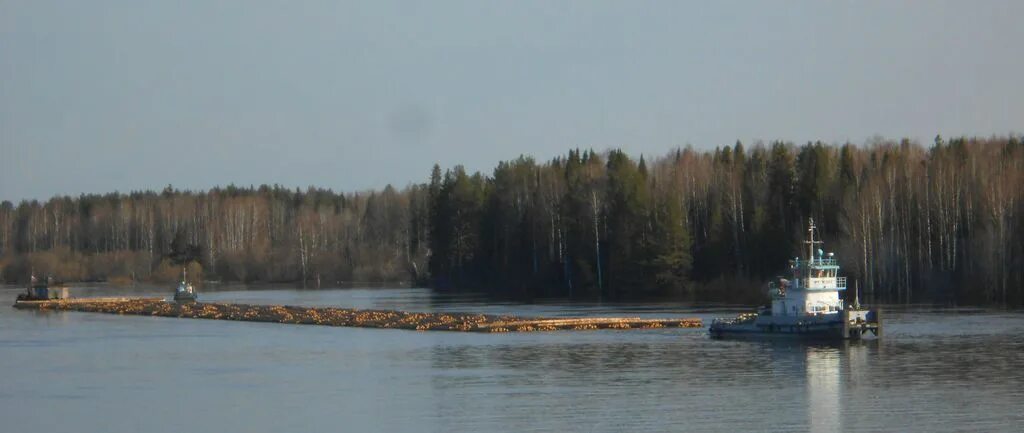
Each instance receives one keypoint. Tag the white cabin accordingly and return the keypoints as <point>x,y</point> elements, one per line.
<point>814,285</point>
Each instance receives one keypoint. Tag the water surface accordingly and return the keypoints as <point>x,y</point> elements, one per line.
<point>935,370</point>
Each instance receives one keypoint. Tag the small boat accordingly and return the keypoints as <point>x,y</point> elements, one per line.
<point>185,291</point>
<point>807,305</point>
<point>43,290</point>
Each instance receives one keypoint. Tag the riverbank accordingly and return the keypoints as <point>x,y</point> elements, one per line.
<point>329,316</point>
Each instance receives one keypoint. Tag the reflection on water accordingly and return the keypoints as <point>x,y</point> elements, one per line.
<point>823,374</point>
<point>934,371</point>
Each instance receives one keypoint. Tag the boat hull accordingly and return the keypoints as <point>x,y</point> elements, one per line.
<point>847,325</point>
<point>184,297</point>
<point>815,332</point>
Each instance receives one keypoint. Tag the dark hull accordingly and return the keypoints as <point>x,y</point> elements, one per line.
<point>851,325</point>
<point>184,297</point>
<point>818,332</point>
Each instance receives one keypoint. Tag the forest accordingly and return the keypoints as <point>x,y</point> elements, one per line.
<point>936,223</point>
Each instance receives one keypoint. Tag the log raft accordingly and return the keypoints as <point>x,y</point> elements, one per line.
<point>330,316</point>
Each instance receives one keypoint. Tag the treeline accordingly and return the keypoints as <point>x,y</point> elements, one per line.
<point>268,234</point>
<point>909,223</point>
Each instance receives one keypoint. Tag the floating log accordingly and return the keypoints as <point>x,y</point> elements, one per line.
<point>329,316</point>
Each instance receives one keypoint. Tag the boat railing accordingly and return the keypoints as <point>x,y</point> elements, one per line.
<point>811,319</point>
<point>824,261</point>
<point>742,318</point>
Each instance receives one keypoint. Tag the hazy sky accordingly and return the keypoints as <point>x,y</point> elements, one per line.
<point>97,96</point>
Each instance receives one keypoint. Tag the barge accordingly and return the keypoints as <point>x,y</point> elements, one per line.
<point>330,316</point>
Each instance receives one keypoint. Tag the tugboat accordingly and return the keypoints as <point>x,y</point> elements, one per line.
<point>185,291</point>
<point>808,305</point>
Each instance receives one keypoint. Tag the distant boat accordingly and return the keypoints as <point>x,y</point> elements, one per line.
<point>807,305</point>
<point>43,290</point>
<point>185,291</point>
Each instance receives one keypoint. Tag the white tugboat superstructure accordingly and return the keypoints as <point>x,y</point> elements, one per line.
<point>808,304</point>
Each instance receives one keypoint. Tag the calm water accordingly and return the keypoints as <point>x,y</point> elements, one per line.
<point>935,370</point>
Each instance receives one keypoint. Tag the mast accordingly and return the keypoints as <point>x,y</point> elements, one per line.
<point>810,243</point>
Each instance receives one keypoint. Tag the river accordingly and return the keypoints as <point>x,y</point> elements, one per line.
<point>934,370</point>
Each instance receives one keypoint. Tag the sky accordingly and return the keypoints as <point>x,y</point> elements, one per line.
<point>101,96</point>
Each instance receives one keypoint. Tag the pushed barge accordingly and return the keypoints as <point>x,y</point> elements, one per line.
<point>808,305</point>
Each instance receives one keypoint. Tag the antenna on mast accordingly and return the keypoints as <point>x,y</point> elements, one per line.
<point>810,243</point>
